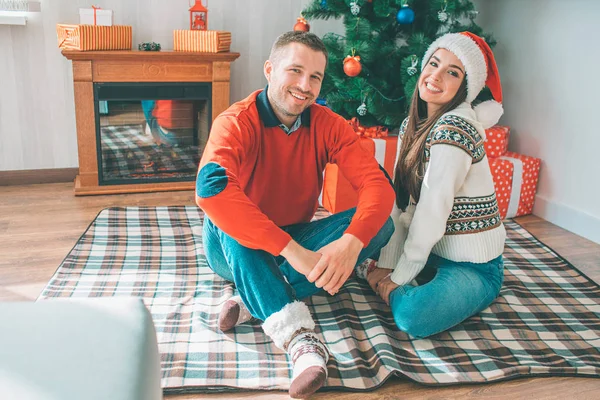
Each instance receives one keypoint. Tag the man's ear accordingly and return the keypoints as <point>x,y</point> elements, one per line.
<point>268,69</point>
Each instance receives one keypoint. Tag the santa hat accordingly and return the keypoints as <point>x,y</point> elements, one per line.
<point>481,70</point>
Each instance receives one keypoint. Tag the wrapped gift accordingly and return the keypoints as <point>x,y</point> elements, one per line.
<point>496,141</point>
<point>502,173</point>
<point>201,41</point>
<point>338,194</point>
<point>93,37</point>
<point>95,16</point>
<point>515,179</point>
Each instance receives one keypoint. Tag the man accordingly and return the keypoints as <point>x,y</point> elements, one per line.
<point>258,183</point>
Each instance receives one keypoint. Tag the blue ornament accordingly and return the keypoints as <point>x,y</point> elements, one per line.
<point>324,4</point>
<point>405,16</point>
<point>321,101</point>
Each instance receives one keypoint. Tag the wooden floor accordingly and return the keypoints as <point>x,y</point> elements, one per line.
<point>39,224</point>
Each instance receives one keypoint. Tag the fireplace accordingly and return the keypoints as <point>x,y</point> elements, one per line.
<point>143,118</point>
<point>150,132</point>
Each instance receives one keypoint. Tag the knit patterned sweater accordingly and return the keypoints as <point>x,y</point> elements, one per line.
<point>457,214</point>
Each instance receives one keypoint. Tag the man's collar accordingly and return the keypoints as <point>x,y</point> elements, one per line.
<point>268,115</point>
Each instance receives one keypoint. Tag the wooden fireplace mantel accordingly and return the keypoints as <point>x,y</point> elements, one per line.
<point>90,67</point>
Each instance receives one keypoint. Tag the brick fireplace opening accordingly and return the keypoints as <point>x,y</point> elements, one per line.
<point>143,118</point>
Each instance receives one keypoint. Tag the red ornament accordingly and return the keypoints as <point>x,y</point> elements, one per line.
<point>352,65</point>
<point>301,25</point>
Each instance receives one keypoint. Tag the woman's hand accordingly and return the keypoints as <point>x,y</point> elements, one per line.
<point>385,287</point>
<point>377,275</point>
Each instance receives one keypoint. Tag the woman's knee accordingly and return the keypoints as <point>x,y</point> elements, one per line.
<point>413,323</point>
<point>417,313</point>
<point>408,316</point>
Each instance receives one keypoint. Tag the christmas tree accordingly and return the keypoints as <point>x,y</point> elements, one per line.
<point>373,69</point>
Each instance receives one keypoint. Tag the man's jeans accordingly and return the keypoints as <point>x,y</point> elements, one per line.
<point>458,291</point>
<point>267,283</point>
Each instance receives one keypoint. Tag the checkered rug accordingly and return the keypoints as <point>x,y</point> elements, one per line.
<point>546,321</point>
<point>128,152</point>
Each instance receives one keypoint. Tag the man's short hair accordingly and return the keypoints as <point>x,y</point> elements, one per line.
<point>308,39</point>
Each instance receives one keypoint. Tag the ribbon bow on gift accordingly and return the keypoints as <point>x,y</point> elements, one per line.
<point>370,132</point>
<point>95,8</point>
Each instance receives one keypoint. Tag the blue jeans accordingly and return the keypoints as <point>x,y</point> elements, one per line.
<point>267,283</point>
<point>458,291</point>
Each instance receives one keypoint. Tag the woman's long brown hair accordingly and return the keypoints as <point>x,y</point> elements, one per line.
<point>410,168</point>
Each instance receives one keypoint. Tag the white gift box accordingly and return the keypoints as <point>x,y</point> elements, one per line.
<point>103,17</point>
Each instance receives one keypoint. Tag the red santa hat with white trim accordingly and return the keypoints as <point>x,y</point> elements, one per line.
<point>480,68</point>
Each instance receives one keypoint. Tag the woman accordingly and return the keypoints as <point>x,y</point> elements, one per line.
<point>446,215</point>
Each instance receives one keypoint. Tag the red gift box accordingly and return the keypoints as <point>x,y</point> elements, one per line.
<point>502,173</point>
<point>496,141</point>
<point>515,179</point>
<point>338,194</point>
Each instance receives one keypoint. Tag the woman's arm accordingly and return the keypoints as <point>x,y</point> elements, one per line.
<point>446,172</point>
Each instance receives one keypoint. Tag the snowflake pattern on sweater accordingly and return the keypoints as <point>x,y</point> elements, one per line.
<point>454,130</point>
<point>473,214</point>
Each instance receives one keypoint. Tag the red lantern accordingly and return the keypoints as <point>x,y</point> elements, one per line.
<point>198,17</point>
<point>301,25</point>
<point>352,65</point>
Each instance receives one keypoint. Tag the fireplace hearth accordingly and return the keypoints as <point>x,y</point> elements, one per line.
<point>143,118</point>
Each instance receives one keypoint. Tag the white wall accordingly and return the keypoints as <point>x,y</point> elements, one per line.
<point>548,56</point>
<point>37,116</point>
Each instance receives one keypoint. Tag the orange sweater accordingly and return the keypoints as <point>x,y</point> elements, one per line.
<point>254,178</point>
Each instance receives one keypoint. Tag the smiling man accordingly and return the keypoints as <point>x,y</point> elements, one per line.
<point>259,182</point>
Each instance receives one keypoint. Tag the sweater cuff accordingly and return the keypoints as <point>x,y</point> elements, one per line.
<point>406,271</point>
<point>359,229</point>
<point>279,239</point>
<point>391,253</point>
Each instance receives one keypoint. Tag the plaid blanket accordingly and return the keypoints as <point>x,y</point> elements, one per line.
<point>546,321</point>
<point>128,152</point>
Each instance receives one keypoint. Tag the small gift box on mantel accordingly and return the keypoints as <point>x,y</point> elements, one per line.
<point>93,37</point>
<point>95,16</point>
<point>201,41</point>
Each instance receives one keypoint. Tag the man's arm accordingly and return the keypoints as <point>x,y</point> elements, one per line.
<point>375,191</point>
<point>301,259</point>
<point>220,196</point>
<point>375,201</point>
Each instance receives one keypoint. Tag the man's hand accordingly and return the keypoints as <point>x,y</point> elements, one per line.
<point>375,276</point>
<point>385,287</point>
<point>301,259</point>
<point>337,262</point>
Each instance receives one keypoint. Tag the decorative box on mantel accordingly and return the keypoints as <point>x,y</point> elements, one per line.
<point>143,117</point>
<point>95,16</point>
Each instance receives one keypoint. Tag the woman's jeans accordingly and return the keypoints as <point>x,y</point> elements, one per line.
<point>267,283</point>
<point>458,291</point>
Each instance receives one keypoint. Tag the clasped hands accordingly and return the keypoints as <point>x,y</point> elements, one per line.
<point>330,266</point>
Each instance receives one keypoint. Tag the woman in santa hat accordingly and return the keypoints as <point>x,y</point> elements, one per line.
<point>448,227</point>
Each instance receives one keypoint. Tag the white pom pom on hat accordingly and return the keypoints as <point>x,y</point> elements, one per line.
<point>481,70</point>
